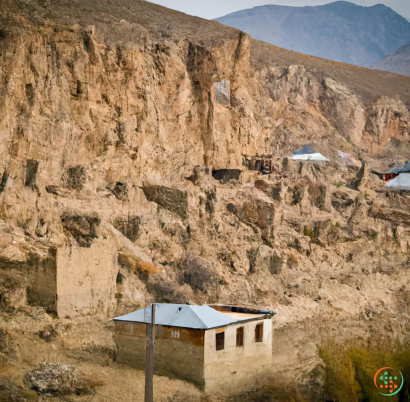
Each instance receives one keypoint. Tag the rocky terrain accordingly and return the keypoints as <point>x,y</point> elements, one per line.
<point>131,137</point>
<point>398,62</point>
<point>340,31</point>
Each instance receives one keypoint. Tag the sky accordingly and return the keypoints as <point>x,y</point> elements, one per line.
<point>217,8</point>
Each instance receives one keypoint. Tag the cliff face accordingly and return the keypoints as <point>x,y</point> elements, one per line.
<point>109,133</point>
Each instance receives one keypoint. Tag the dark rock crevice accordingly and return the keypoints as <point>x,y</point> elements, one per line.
<point>82,228</point>
<point>31,173</point>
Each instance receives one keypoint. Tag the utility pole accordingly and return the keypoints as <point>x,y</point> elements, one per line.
<point>149,363</point>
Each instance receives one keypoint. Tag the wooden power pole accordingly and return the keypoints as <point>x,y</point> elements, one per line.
<point>149,364</point>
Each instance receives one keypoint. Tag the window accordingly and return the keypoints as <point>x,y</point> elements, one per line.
<point>239,337</point>
<point>220,341</point>
<point>259,333</point>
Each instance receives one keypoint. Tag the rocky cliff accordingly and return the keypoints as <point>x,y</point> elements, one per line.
<point>130,138</point>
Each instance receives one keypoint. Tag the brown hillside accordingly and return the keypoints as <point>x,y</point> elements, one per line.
<point>145,157</point>
<point>128,22</point>
<point>367,83</point>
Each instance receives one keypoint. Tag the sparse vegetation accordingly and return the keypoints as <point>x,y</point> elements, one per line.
<point>350,370</point>
<point>313,233</point>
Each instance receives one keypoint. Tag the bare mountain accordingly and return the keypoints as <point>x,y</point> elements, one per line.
<point>339,31</point>
<point>398,62</point>
<point>144,158</point>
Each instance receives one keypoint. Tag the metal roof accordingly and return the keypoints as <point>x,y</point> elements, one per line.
<point>401,182</point>
<point>308,154</point>
<point>307,149</point>
<point>311,157</point>
<point>401,168</point>
<point>183,316</point>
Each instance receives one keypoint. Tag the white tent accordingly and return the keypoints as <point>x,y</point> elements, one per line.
<point>311,157</point>
<point>401,182</point>
<point>308,154</point>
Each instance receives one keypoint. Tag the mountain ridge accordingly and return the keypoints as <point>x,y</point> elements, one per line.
<point>123,128</point>
<point>340,31</point>
<point>397,63</point>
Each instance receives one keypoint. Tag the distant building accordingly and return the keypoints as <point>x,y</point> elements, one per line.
<point>394,173</point>
<point>405,168</point>
<point>401,182</point>
<point>308,154</point>
<point>218,348</point>
<point>385,176</point>
<point>263,164</point>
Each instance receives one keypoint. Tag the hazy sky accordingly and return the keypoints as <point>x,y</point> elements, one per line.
<point>218,8</point>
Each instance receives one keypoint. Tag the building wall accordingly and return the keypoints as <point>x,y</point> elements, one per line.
<point>237,369</point>
<point>179,352</point>
<point>86,279</point>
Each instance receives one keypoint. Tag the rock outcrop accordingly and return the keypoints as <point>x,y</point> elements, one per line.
<point>132,172</point>
<point>53,379</point>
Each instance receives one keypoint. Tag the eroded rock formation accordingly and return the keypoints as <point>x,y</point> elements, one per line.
<point>110,130</point>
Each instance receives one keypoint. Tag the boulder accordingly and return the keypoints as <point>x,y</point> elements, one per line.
<point>53,379</point>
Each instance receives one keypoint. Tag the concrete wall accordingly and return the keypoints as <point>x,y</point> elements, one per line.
<point>130,339</point>
<point>179,352</point>
<point>86,279</point>
<point>237,369</point>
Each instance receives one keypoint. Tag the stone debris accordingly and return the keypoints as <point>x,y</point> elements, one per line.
<point>54,379</point>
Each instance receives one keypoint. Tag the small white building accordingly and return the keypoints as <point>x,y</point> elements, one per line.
<point>308,154</point>
<point>227,349</point>
<point>401,182</point>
